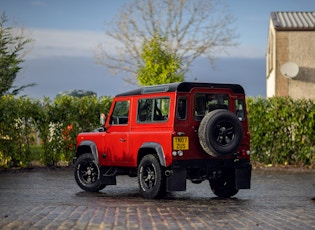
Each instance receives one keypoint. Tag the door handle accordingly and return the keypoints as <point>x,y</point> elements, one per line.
<point>122,140</point>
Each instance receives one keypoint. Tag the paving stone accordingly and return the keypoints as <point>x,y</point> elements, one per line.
<point>52,200</point>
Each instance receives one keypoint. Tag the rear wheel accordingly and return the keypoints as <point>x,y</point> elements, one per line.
<point>225,185</point>
<point>87,173</point>
<point>151,178</point>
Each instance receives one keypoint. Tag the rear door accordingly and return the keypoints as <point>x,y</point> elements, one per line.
<point>190,110</point>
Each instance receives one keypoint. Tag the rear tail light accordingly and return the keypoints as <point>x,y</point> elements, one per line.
<point>245,152</point>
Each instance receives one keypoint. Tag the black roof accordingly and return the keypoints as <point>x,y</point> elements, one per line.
<point>182,87</point>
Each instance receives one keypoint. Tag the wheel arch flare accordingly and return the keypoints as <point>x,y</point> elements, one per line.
<point>152,148</point>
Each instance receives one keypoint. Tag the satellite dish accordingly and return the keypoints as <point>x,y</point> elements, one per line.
<point>289,70</point>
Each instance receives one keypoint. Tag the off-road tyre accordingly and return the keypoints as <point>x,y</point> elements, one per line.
<point>224,186</point>
<point>220,133</point>
<point>151,177</point>
<point>87,173</point>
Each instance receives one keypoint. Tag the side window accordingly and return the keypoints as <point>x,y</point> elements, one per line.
<point>120,113</point>
<point>181,113</point>
<point>206,102</point>
<point>239,109</point>
<point>153,109</point>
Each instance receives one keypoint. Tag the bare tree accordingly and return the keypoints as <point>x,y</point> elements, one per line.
<point>193,28</point>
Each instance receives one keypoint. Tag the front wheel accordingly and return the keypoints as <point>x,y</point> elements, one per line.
<point>87,173</point>
<point>151,178</point>
<point>225,185</point>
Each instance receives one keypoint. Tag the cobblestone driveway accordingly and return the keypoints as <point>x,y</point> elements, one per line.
<point>50,199</point>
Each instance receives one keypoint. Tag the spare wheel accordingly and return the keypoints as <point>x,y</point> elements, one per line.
<point>220,133</point>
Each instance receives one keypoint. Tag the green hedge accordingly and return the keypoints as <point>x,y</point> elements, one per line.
<point>282,129</point>
<point>56,123</point>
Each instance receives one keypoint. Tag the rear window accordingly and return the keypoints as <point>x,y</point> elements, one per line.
<point>207,102</point>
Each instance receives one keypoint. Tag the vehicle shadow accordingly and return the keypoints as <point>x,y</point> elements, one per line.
<point>132,197</point>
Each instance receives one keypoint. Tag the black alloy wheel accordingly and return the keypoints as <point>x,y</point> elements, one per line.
<point>151,177</point>
<point>87,173</point>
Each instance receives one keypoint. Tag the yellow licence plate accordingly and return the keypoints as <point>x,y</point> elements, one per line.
<point>180,143</point>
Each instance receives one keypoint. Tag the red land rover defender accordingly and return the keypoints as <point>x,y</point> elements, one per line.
<point>166,134</point>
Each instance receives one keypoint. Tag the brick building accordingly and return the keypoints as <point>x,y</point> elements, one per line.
<point>291,40</point>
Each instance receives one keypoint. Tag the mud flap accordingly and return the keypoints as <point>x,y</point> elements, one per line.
<point>243,176</point>
<point>177,181</point>
<point>107,179</point>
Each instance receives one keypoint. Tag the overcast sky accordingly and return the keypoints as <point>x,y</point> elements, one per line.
<point>67,31</point>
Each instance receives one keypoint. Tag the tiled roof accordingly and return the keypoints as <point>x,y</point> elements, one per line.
<point>293,20</point>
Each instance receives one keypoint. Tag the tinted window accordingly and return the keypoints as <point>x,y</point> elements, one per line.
<point>205,103</point>
<point>181,108</point>
<point>153,109</point>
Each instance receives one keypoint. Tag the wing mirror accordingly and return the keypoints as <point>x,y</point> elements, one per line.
<point>102,119</point>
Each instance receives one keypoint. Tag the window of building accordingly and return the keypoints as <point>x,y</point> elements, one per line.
<point>270,53</point>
